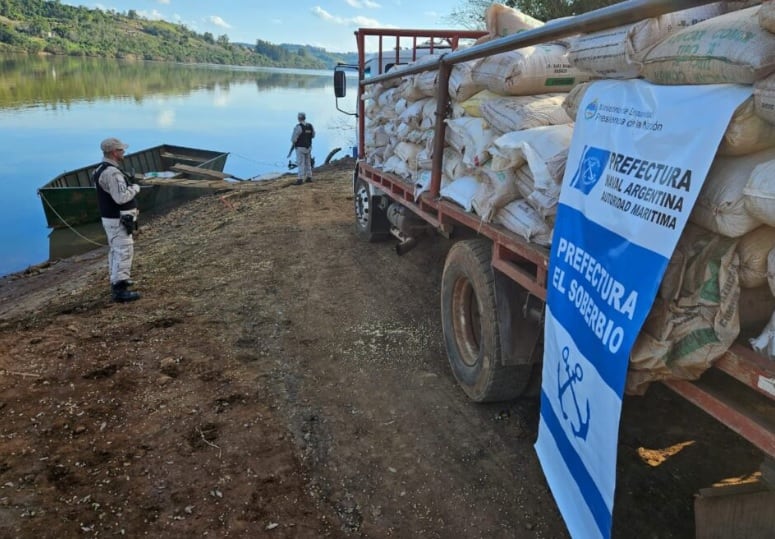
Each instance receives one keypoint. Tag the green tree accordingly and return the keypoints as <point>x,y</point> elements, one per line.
<point>39,26</point>
<point>10,36</point>
<point>470,14</point>
<point>62,29</point>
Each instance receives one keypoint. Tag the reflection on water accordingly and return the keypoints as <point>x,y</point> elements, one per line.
<point>65,242</point>
<point>55,110</point>
<point>57,80</point>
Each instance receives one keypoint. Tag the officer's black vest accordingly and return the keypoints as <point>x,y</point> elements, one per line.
<point>108,207</point>
<point>305,139</point>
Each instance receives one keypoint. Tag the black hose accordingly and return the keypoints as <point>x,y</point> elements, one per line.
<point>330,155</point>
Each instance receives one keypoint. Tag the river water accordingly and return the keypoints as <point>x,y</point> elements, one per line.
<point>55,111</point>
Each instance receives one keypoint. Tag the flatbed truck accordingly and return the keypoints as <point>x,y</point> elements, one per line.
<point>494,284</point>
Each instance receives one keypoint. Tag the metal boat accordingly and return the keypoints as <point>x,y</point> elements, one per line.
<point>70,198</point>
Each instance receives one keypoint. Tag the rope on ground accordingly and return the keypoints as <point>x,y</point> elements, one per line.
<point>68,224</point>
<point>277,164</point>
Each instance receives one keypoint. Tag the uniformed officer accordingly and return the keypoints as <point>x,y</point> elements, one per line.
<point>116,198</point>
<point>301,141</point>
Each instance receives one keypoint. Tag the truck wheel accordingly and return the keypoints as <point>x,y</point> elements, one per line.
<point>371,222</point>
<point>470,325</point>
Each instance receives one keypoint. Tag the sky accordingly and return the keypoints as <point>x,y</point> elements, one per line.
<point>323,23</point>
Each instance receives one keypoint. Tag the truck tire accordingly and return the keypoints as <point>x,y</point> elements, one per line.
<point>371,222</point>
<point>470,325</point>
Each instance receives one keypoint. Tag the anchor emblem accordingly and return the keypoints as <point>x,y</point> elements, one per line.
<point>571,378</point>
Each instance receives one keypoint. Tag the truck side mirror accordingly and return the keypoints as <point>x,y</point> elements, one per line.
<point>340,83</point>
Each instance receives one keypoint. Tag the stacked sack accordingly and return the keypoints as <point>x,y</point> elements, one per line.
<point>717,281</point>
<point>507,137</point>
<point>509,132</point>
<point>514,170</point>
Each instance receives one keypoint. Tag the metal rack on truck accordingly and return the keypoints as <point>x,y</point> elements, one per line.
<point>495,283</point>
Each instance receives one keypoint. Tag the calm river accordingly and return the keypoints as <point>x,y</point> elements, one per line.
<point>55,111</point>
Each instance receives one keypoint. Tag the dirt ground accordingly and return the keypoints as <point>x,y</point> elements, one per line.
<point>280,378</point>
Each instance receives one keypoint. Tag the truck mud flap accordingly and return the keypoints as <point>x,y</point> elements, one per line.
<point>520,317</point>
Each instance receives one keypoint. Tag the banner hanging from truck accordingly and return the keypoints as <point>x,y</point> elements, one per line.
<point>639,156</point>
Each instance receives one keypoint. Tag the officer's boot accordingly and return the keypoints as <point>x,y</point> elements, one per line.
<point>121,294</point>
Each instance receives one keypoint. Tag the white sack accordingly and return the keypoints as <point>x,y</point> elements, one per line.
<point>397,166</point>
<point>413,115</point>
<point>528,71</point>
<point>767,16</point>
<point>505,114</point>
<point>483,194</point>
<point>375,137</point>
<point>422,183</point>
<point>502,190</point>
<point>429,114</point>
<point>759,193</point>
<point>720,204</point>
<point>573,99</point>
<point>461,191</point>
<point>502,21</point>
<point>471,137</point>
<point>407,152</point>
<point>386,102</point>
<point>542,201</point>
<point>519,217</point>
<point>536,147</point>
<point>747,132</point>
<point>730,48</point>
<point>425,83</point>
<point>764,98</point>
<point>615,53</point>
<point>452,164</point>
<point>461,84</point>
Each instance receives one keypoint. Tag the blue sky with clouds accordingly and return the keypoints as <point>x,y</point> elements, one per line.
<point>324,23</point>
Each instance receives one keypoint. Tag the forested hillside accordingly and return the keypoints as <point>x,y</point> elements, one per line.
<point>38,26</point>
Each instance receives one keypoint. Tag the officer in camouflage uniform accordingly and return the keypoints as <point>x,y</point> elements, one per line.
<point>118,208</point>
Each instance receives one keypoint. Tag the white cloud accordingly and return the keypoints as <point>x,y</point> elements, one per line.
<point>163,1</point>
<point>325,15</point>
<point>351,21</point>
<point>358,4</point>
<point>217,21</point>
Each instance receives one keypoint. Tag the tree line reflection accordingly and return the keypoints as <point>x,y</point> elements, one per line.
<point>60,81</point>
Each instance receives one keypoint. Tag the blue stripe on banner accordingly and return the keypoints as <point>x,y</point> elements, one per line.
<point>577,469</point>
<point>604,299</point>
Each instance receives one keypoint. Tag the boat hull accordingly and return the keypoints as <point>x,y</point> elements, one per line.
<point>70,198</point>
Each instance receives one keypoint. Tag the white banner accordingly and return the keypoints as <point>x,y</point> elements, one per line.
<point>639,156</point>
